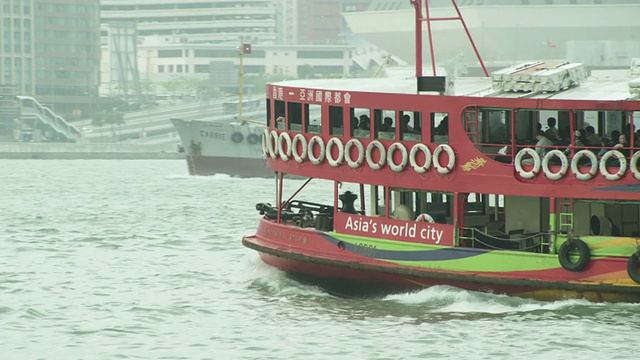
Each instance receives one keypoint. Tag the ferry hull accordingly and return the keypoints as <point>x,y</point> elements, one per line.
<point>312,257</point>
<point>239,167</point>
<point>218,147</point>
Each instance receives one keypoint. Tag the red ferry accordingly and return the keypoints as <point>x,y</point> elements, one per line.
<point>525,182</point>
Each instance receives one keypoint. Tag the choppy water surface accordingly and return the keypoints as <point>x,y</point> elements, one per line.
<point>136,259</point>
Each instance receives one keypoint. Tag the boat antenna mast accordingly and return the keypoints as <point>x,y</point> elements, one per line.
<point>242,51</point>
<point>424,16</point>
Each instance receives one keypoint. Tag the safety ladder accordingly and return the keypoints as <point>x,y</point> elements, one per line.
<point>471,124</point>
<point>565,221</point>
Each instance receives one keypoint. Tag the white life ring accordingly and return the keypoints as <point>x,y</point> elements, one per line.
<point>334,141</point>
<point>420,169</point>
<point>436,159</point>
<point>284,138</point>
<point>536,163</point>
<point>378,145</point>
<point>264,137</point>
<point>347,153</point>
<point>316,160</point>
<point>633,165</point>
<point>397,167</point>
<point>594,165</point>
<point>424,217</point>
<point>603,165</point>
<point>301,156</point>
<point>564,164</point>
<point>273,144</point>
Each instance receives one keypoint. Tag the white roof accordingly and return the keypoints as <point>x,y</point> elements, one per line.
<point>599,85</point>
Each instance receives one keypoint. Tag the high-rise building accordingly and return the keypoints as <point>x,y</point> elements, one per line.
<point>195,21</point>
<point>50,50</point>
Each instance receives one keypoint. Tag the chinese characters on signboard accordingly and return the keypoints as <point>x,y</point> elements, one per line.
<point>318,96</point>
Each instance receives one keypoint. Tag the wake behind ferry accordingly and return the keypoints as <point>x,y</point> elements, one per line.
<point>524,182</point>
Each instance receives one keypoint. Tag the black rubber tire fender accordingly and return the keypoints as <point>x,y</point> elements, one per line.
<point>584,255</point>
<point>253,138</point>
<point>632,267</point>
<point>237,137</point>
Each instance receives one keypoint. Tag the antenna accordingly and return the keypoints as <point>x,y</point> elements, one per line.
<point>426,17</point>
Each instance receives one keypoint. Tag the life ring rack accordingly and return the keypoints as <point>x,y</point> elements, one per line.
<point>436,159</point>
<point>536,163</point>
<point>593,170</point>
<point>354,164</point>
<point>424,217</point>
<point>621,170</point>
<point>316,160</point>
<point>334,162</point>
<point>380,163</point>
<point>405,157</point>
<point>420,147</point>
<point>265,139</point>
<point>299,156</point>
<point>564,165</point>
<point>273,144</point>
<point>284,139</point>
<point>633,165</point>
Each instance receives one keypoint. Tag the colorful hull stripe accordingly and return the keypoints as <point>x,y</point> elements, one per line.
<point>412,255</point>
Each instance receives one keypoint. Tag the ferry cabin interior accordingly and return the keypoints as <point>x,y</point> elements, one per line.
<point>530,223</point>
<point>483,221</point>
<point>492,129</point>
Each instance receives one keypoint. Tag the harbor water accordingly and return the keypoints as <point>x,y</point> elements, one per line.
<point>134,259</point>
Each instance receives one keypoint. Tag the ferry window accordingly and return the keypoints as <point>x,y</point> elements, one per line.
<point>377,201</point>
<point>360,123</point>
<point>336,120</point>
<point>411,125</point>
<point>294,116</point>
<point>384,122</point>
<point>438,205</point>
<point>279,108</point>
<point>475,204</point>
<point>440,128</point>
<point>269,116</point>
<point>593,124</point>
<point>401,204</point>
<point>313,113</point>
<point>495,126</point>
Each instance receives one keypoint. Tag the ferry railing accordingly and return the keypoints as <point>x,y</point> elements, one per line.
<point>535,242</point>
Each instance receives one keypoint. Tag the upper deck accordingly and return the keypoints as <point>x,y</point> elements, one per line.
<point>371,130</point>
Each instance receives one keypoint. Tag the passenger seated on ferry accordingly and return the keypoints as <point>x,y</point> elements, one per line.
<point>387,124</point>
<point>609,143</point>
<point>405,124</point>
<point>563,141</point>
<point>443,127</point>
<point>592,138</point>
<point>354,123</point>
<point>580,140</point>
<point>552,131</point>
<point>543,144</point>
<point>622,144</point>
<point>365,122</point>
<point>403,212</point>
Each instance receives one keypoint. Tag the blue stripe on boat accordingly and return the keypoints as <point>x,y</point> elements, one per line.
<point>417,255</point>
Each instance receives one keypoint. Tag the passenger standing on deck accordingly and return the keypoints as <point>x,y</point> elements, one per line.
<point>543,143</point>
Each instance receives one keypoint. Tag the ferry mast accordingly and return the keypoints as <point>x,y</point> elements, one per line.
<point>424,16</point>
